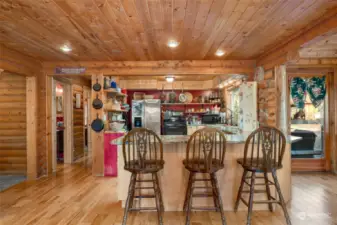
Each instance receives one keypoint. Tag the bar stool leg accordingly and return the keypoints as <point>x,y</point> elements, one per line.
<point>157,198</point>
<point>251,197</point>
<point>188,192</point>
<point>282,203</point>
<point>215,194</point>
<point>127,202</point>
<point>238,198</point>
<point>134,179</point>
<point>215,180</point>
<point>160,193</point>
<point>266,180</point>
<point>189,203</point>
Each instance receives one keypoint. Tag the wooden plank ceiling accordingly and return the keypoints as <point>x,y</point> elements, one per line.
<point>140,29</point>
<point>323,47</point>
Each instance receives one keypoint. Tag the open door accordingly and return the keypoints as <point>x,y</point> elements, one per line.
<point>310,120</point>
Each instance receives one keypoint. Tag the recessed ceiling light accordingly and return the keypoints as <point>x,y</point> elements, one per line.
<point>219,53</point>
<point>66,48</point>
<point>169,79</point>
<point>172,44</point>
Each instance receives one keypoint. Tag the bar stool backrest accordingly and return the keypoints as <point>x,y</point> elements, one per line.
<point>206,149</point>
<point>265,148</point>
<point>142,147</point>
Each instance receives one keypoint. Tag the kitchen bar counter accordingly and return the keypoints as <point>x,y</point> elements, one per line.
<point>174,176</point>
<point>230,139</point>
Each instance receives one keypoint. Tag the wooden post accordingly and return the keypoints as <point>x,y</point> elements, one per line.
<point>49,124</point>
<point>68,123</point>
<point>31,115</point>
<point>97,139</point>
<point>282,101</point>
<point>334,122</point>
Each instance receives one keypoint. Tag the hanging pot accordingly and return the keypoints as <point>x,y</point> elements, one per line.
<point>97,86</point>
<point>172,96</point>
<point>97,103</point>
<point>97,125</point>
<point>182,96</point>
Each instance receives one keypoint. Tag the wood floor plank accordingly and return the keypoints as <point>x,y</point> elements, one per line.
<point>73,196</point>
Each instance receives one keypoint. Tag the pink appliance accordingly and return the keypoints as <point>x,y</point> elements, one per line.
<point>110,154</point>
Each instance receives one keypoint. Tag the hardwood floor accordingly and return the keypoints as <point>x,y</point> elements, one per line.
<point>73,196</point>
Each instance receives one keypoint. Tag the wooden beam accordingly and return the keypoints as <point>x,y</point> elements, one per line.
<point>16,62</point>
<point>31,115</point>
<point>313,63</point>
<point>279,55</point>
<point>148,68</point>
<point>306,71</point>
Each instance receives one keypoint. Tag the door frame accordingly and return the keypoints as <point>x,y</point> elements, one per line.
<point>87,96</point>
<point>322,164</point>
<point>67,113</point>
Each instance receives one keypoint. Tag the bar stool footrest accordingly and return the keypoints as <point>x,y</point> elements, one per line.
<point>143,209</point>
<point>144,196</point>
<point>200,208</point>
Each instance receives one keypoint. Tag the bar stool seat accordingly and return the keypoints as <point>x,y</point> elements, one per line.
<point>199,165</point>
<point>257,165</point>
<point>263,154</point>
<point>205,154</point>
<point>143,157</point>
<point>146,166</point>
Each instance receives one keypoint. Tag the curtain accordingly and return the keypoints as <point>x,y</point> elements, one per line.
<point>316,90</point>
<point>298,91</point>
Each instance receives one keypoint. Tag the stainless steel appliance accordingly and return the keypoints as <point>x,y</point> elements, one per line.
<point>146,113</point>
<point>176,125</point>
<point>210,119</point>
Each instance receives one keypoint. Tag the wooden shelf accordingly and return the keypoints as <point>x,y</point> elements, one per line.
<point>115,110</point>
<point>114,92</point>
<point>191,103</point>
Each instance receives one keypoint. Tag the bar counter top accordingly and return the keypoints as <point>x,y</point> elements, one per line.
<point>230,139</point>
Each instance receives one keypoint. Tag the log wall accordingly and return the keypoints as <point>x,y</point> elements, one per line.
<point>13,142</point>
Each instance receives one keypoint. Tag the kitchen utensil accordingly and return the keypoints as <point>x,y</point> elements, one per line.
<point>113,83</point>
<point>97,103</point>
<point>189,97</point>
<point>182,96</point>
<point>106,83</point>
<point>162,95</point>
<point>97,86</point>
<point>172,96</point>
<point>97,125</point>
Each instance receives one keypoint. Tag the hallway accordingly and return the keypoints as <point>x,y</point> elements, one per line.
<point>73,196</point>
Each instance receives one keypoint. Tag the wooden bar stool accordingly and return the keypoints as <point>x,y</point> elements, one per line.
<point>143,155</point>
<point>205,154</point>
<point>263,153</point>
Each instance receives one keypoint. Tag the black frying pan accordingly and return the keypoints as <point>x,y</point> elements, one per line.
<point>97,125</point>
<point>97,86</point>
<point>97,103</point>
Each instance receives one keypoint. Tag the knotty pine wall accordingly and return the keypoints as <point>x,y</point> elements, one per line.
<point>267,99</point>
<point>13,143</point>
<point>78,123</point>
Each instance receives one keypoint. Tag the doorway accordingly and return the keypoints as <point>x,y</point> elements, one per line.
<point>309,120</point>
<point>61,123</point>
